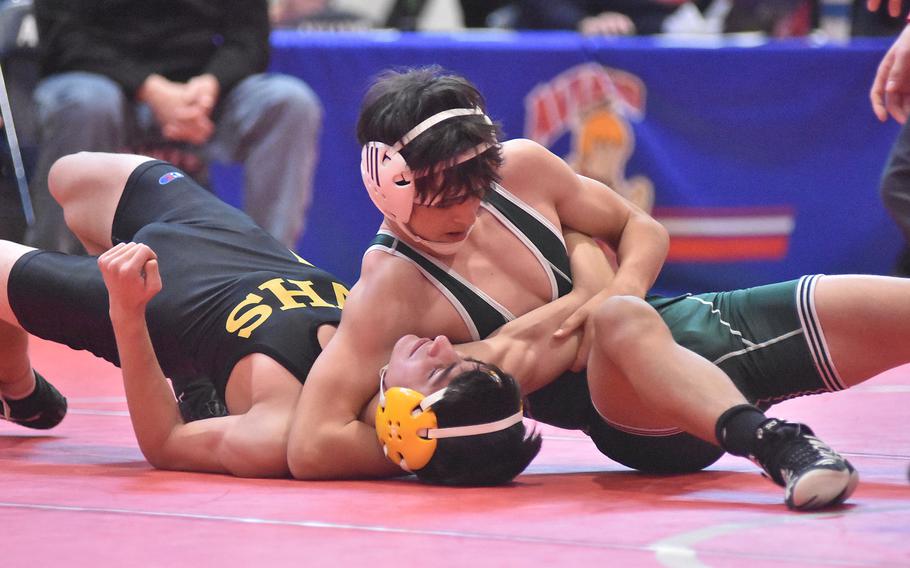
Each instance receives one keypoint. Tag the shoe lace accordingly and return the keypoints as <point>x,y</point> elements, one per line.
<point>792,448</point>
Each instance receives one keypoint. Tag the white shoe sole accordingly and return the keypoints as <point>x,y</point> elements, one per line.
<point>821,488</point>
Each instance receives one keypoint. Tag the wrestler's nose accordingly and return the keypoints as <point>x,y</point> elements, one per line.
<point>441,347</point>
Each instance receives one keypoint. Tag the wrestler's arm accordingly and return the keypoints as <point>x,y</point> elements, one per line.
<point>526,347</point>
<point>333,435</point>
<point>248,445</point>
<point>327,439</point>
<point>588,206</point>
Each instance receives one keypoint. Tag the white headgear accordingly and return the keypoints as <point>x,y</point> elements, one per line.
<point>387,176</point>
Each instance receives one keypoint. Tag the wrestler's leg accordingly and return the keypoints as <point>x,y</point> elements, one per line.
<point>16,378</point>
<point>88,186</point>
<point>642,381</point>
<point>25,396</point>
<point>640,377</point>
<point>866,322</point>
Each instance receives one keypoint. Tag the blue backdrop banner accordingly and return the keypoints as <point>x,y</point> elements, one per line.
<point>762,160</point>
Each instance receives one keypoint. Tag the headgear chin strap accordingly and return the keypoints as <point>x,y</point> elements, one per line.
<point>407,429</point>
<point>439,248</point>
<point>387,176</point>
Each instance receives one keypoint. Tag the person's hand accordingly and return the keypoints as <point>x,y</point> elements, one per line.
<point>130,273</point>
<point>182,111</point>
<point>607,23</point>
<point>203,91</point>
<point>890,92</point>
<point>581,318</point>
<point>894,7</point>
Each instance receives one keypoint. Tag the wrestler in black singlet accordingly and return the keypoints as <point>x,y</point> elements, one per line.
<point>229,288</point>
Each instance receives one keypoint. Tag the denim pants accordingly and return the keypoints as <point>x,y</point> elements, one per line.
<point>269,123</point>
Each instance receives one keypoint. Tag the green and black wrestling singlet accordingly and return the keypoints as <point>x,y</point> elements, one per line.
<point>767,339</point>
<point>482,314</point>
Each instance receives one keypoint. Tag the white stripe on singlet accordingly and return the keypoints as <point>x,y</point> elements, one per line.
<point>459,307</point>
<point>809,326</point>
<point>815,337</point>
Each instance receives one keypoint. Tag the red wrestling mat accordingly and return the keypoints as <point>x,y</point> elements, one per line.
<point>82,495</point>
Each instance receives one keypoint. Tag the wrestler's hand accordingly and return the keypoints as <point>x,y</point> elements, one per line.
<point>890,92</point>
<point>592,273</point>
<point>130,272</point>
<point>894,6</point>
<point>581,322</point>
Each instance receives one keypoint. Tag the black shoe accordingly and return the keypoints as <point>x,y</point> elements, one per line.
<point>813,474</point>
<point>41,410</point>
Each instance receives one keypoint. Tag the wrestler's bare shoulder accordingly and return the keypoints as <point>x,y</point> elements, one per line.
<point>387,282</point>
<point>529,168</point>
<point>381,269</point>
<point>520,153</point>
<point>393,291</point>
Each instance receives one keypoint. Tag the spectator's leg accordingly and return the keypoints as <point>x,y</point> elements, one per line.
<point>271,123</point>
<point>75,111</point>
<point>476,11</point>
<point>12,218</point>
<point>895,191</point>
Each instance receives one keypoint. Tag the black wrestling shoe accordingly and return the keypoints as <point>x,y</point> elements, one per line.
<point>813,475</point>
<point>41,410</point>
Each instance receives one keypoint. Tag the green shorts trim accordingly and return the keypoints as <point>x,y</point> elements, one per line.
<point>767,339</point>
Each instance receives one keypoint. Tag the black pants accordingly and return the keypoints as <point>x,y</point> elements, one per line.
<point>895,192</point>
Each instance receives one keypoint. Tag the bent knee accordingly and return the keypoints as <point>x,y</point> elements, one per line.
<point>290,98</point>
<point>622,320</point>
<point>82,100</point>
<point>60,178</point>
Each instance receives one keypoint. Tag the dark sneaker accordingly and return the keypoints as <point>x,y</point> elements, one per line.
<point>41,410</point>
<point>813,474</point>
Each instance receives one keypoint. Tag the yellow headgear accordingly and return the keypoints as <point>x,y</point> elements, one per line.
<point>407,429</point>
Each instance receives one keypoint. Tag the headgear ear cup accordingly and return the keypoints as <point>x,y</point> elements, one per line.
<point>407,427</point>
<point>401,425</point>
<point>388,180</point>
<point>387,176</point>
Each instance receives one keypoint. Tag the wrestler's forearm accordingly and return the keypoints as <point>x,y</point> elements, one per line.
<point>525,347</point>
<point>641,252</point>
<point>150,399</point>
<point>352,452</point>
<point>327,439</point>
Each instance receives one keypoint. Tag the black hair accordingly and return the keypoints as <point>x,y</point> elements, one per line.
<point>399,100</point>
<point>480,395</point>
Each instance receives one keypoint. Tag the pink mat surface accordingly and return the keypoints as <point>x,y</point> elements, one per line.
<point>82,495</point>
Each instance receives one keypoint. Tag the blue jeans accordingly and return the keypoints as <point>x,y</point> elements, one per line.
<point>270,123</point>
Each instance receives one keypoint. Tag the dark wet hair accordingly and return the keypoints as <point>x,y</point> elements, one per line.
<point>399,100</point>
<point>475,397</point>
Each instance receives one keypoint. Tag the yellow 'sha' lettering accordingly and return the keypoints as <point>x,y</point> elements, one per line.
<point>255,316</point>
<point>290,298</point>
<point>341,294</point>
<point>300,260</point>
